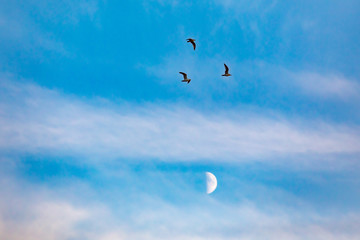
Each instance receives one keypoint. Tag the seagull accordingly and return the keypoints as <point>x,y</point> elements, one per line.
<point>227,74</point>
<point>192,41</point>
<point>185,77</point>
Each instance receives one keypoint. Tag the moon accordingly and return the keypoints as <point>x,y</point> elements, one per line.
<point>211,182</point>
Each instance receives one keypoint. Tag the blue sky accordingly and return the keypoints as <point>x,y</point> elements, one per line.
<point>99,139</point>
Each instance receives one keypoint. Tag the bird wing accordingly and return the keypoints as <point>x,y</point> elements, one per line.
<point>226,69</point>
<point>193,43</point>
<point>184,74</point>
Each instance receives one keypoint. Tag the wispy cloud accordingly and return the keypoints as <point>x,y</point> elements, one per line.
<point>20,30</point>
<point>35,119</point>
<point>329,86</point>
<point>41,220</point>
<point>54,213</point>
<point>258,77</point>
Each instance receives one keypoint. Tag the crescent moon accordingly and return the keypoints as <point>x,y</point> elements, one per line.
<point>211,182</point>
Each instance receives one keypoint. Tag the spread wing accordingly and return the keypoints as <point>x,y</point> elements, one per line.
<point>226,69</point>
<point>184,74</point>
<point>193,43</point>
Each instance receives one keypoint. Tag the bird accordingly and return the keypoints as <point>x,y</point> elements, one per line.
<point>227,74</point>
<point>185,77</point>
<point>192,41</point>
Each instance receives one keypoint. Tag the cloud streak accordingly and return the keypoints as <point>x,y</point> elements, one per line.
<point>331,86</point>
<point>51,213</point>
<point>35,119</point>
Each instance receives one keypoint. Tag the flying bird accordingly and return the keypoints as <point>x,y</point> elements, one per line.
<point>192,41</point>
<point>227,74</point>
<point>185,77</point>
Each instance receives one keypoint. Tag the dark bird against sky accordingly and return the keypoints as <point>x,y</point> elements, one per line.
<point>192,41</point>
<point>185,77</point>
<point>227,74</point>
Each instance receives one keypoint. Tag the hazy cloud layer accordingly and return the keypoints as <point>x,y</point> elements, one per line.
<point>60,212</point>
<point>331,86</point>
<point>34,120</point>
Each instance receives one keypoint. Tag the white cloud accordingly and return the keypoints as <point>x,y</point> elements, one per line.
<point>34,214</point>
<point>72,208</point>
<point>27,215</point>
<point>38,120</point>
<point>49,220</point>
<point>330,86</point>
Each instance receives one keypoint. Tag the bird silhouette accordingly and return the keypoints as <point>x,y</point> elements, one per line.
<point>227,74</point>
<point>185,77</point>
<point>192,41</point>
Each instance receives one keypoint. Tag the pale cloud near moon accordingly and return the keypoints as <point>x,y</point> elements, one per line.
<point>48,213</point>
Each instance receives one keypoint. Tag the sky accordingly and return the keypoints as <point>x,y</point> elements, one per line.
<point>100,139</point>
